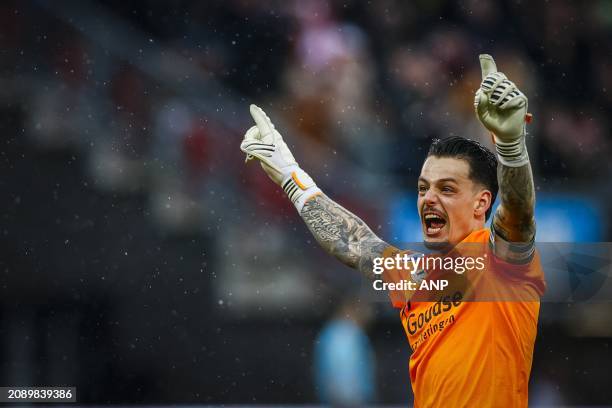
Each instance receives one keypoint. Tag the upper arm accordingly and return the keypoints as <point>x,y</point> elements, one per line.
<point>509,251</point>
<point>343,234</point>
<point>371,248</point>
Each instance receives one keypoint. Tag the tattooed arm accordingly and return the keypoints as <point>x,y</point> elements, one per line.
<point>514,223</point>
<point>342,234</point>
<point>502,109</point>
<point>339,232</point>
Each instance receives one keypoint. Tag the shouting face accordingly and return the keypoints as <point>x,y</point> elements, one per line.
<point>451,205</point>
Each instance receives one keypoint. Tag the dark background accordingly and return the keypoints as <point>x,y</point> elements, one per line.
<point>136,247</point>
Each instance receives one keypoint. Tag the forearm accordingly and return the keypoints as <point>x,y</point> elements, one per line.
<point>514,220</point>
<point>342,234</point>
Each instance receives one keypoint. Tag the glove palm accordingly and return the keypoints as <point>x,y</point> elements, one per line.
<point>500,106</point>
<point>265,143</point>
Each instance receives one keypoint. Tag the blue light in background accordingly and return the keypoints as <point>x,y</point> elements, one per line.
<point>569,218</point>
<point>405,222</point>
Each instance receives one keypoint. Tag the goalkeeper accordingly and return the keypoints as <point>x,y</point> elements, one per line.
<point>482,353</point>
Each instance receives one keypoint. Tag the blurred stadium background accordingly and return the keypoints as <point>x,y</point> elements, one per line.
<point>143,262</point>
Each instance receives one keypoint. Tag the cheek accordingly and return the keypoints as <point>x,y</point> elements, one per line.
<point>459,210</point>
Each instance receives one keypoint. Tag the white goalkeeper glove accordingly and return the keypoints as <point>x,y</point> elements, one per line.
<point>265,143</point>
<point>502,108</point>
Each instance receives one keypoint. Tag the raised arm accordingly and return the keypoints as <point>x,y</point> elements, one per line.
<point>502,109</point>
<point>514,219</point>
<point>339,232</point>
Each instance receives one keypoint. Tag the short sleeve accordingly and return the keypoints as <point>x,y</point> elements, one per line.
<point>395,275</point>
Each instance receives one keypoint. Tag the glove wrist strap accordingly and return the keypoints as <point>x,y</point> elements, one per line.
<point>299,187</point>
<point>512,154</point>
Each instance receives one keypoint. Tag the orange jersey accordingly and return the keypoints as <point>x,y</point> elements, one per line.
<point>476,353</point>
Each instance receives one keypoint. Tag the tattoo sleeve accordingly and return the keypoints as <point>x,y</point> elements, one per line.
<point>514,220</point>
<point>342,234</point>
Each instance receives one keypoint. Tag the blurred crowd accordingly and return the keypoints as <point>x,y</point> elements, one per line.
<point>359,88</point>
<point>154,97</point>
<point>369,83</point>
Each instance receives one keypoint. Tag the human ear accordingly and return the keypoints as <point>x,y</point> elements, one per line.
<point>482,202</point>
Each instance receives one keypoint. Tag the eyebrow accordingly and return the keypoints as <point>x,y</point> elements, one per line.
<point>440,180</point>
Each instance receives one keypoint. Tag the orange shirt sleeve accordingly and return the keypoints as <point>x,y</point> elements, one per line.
<point>395,276</point>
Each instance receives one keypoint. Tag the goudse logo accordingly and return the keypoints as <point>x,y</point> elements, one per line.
<point>445,304</point>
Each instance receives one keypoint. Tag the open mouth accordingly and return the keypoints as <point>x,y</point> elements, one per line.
<point>433,222</point>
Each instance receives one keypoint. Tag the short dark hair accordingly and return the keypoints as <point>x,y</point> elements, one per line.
<point>483,163</point>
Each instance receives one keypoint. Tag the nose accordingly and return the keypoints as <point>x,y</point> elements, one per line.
<point>430,197</point>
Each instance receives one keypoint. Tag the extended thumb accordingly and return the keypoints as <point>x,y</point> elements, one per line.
<point>487,65</point>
